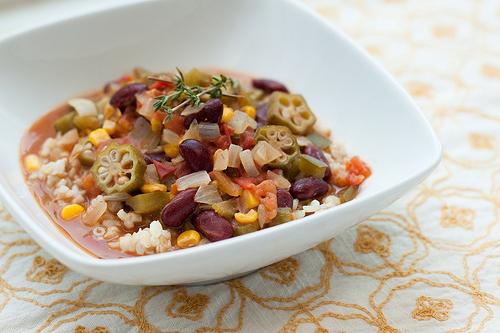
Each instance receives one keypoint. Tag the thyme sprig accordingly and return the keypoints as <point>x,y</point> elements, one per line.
<point>193,94</point>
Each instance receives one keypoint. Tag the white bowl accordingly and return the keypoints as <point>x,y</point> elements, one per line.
<point>279,39</point>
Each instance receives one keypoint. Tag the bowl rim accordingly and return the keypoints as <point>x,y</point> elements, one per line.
<point>35,230</point>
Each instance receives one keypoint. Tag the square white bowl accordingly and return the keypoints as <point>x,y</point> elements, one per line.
<point>280,39</point>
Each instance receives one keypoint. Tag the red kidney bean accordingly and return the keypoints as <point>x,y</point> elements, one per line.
<point>284,198</point>
<point>261,116</point>
<point>211,112</point>
<point>125,96</point>
<point>315,152</point>
<point>213,226</point>
<point>196,154</point>
<point>269,85</point>
<point>308,188</point>
<point>150,157</point>
<point>175,213</point>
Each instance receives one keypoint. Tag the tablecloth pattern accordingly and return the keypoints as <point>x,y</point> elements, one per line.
<point>428,263</point>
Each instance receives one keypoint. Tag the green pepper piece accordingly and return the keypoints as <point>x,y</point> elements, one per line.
<point>226,208</point>
<point>283,215</point>
<point>242,229</point>
<point>86,122</point>
<point>65,123</point>
<point>310,166</point>
<point>148,203</point>
<point>119,168</point>
<point>281,138</point>
<point>195,77</point>
<point>87,154</point>
<point>348,193</point>
<point>319,140</point>
<point>291,111</point>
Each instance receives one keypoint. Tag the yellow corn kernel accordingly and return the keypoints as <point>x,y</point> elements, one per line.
<point>188,238</point>
<point>148,188</point>
<point>156,125</point>
<point>31,163</point>
<point>250,111</point>
<point>249,217</point>
<point>98,136</point>
<point>69,212</point>
<point>249,200</point>
<point>172,150</point>
<point>227,114</point>
<point>109,126</point>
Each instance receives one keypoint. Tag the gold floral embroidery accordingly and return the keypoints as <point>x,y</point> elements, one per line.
<point>453,217</point>
<point>369,240</point>
<point>283,272</point>
<point>387,329</point>
<point>428,308</point>
<point>443,31</point>
<point>187,306</point>
<point>481,141</point>
<point>97,329</point>
<point>46,271</point>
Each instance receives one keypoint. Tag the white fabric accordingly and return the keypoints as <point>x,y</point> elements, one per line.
<point>429,263</point>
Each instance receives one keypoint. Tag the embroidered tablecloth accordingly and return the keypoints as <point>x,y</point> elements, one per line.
<point>428,263</point>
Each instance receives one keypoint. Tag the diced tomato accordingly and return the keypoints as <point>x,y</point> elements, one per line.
<point>160,85</point>
<point>226,130</point>
<point>340,179</point>
<point>358,167</point>
<point>247,140</point>
<point>355,180</point>
<point>126,122</point>
<point>247,183</point>
<point>223,142</point>
<point>126,78</point>
<point>176,124</point>
<point>163,170</point>
<point>89,186</point>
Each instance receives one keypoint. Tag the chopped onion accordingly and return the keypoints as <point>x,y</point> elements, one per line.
<point>176,160</point>
<point>248,163</point>
<point>221,159</point>
<point>234,156</point>
<point>97,208</point>
<point>151,176</point>
<point>193,132</point>
<point>169,136</point>
<point>261,213</point>
<point>146,105</point>
<point>69,139</point>
<point>195,179</point>
<point>101,104</point>
<point>278,180</point>
<point>142,136</point>
<point>191,109</point>
<point>240,121</point>
<point>119,196</point>
<point>303,141</point>
<point>264,153</point>
<point>209,131</point>
<point>84,107</point>
<point>207,194</point>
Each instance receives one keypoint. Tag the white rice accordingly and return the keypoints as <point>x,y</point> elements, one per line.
<point>129,219</point>
<point>146,241</point>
